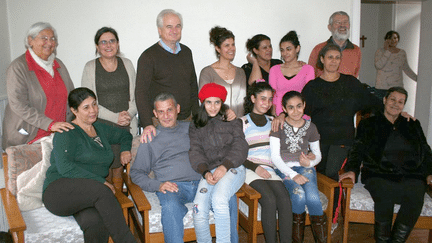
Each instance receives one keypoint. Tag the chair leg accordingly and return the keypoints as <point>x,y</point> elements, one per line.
<point>400,232</point>
<point>382,231</point>
<point>298,227</point>
<point>319,227</point>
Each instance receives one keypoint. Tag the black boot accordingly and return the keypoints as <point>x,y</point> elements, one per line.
<point>319,227</point>
<point>382,231</point>
<point>400,232</point>
<point>298,227</point>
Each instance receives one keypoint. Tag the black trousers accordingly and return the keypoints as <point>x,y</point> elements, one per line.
<point>274,199</point>
<point>409,193</point>
<point>93,205</point>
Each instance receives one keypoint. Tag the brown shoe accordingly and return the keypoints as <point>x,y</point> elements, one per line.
<point>319,227</point>
<point>298,227</point>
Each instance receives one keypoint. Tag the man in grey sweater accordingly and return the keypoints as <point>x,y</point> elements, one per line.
<point>175,182</point>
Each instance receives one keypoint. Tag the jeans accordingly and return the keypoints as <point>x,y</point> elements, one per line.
<point>303,195</point>
<point>174,210</point>
<point>216,197</point>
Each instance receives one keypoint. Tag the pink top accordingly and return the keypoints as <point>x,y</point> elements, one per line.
<point>282,85</point>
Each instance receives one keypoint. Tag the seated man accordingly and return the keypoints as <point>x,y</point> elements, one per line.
<point>175,181</point>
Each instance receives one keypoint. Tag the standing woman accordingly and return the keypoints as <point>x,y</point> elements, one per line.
<point>223,72</point>
<point>260,173</point>
<point>292,74</point>
<point>112,78</point>
<point>37,84</point>
<point>259,59</point>
<point>390,61</point>
<point>217,152</point>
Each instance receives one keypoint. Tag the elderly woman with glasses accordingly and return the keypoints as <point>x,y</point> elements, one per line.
<point>37,86</point>
<point>112,78</point>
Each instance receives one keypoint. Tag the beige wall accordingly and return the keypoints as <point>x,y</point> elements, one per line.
<point>5,57</point>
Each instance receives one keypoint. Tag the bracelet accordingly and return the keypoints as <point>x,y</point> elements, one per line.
<point>50,126</point>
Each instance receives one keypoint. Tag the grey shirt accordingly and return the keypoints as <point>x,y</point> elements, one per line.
<point>167,156</point>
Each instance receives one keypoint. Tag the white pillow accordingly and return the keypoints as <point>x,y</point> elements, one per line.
<point>30,182</point>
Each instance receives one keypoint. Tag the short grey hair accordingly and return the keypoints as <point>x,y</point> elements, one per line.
<point>163,97</point>
<point>165,12</point>
<point>337,13</point>
<point>35,29</point>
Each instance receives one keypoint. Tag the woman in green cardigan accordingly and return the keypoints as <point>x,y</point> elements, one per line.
<point>75,182</point>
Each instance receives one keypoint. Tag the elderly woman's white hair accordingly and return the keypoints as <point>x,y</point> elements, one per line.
<point>163,13</point>
<point>35,29</point>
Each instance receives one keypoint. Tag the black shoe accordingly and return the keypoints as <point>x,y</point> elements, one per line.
<point>382,231</point>
<point>400,233</point>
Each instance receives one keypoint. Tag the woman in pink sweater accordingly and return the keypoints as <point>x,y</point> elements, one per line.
<point>292,74</point>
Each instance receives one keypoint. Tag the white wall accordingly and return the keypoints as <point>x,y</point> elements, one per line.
<point>77,21</point>
<point>4,48</point>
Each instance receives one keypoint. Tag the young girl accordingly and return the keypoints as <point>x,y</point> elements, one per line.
<point>218,150</point>
<point>260,172</point>
<point>289,147</point>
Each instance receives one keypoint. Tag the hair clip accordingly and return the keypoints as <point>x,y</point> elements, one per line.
<point>260,80</point>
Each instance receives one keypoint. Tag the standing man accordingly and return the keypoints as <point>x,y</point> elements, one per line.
<point>167,66</point>
<point>175,182</point>
<point>339,26</point>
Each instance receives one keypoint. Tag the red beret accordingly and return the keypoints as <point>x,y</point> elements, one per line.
<point>212,90</point>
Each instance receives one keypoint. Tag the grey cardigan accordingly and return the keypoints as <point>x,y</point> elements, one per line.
<point>25,111</point>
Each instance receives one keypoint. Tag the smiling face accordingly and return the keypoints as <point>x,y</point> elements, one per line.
<point>394,104</point>
<point>227,49</point>
<point>264,51</point>
<point>262,102</point>
<point>331,61</point>
<point>87,111</point>
<point>166,112</point>
<point>170,33</point>
<point>294,108</point>
<point>108,45</point>
<point>393,41</point>
<point>340,27</point>
<point>212,106</point>
<point>289,52</point>
<point>43,44</point>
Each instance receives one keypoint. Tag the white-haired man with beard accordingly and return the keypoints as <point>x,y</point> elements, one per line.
<point>339,26</point>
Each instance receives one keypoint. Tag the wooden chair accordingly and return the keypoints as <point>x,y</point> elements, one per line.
<point>358,208</point>
<point>147,208</point>
<point>15,218</point>
<point>250,221</point>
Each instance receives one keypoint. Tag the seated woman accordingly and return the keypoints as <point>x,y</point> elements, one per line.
<point>75,182</point>
<point>223,72</point>
<point>259,59</point>
<point>289,148</point>
<point>260,174</point>
<point>397,165</point>
<point>217,151</point>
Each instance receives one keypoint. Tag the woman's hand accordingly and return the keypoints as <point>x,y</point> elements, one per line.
<point>300,179</point>
<point>61,126</point>
<point>219,173</point>
<point>429,180</point>
<point>230,115</point>
<point>110,186</point>
<point>251,58</point>
<point>262,172</point>
<point>278,122</point>
<point>124,119</point>
<point>125,157</point>
<point>210,179</point>
<point>304,160</point>
<point>148,134</point>
<point>349,174</point>
<point>311,156</point>
<point>407,116</point>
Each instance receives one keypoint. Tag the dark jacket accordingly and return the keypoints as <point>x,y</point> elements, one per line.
<point>370,142</point>
<point>217,143</point>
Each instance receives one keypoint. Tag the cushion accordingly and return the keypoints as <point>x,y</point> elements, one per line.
<point>361,200</point>
<point>20,159</point>
<point>30,182</point>
<point>243,207</point>
<point>155,224</point>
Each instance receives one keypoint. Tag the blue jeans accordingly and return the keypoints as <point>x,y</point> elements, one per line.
<point>303,195</point>
<point>217,197</point>
<point>174,210</point>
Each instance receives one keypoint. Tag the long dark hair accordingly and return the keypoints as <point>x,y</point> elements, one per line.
<point>254,90</point>
<point>201,118</point>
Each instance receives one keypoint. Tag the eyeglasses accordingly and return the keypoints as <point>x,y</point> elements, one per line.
<point>341,23</point>
<point>104,42</point>
<point>45,39</point>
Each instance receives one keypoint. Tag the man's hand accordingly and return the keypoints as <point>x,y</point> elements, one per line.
<point>124,119</point>
<point>262,172</point>
<point>168,186</point>
<point>148,134</point>
<point>219,173</point>
<point>407,116</point>
<point>349,174</point>
<point>110,186</point>
<point>61,126</point>
<point>125,157</point>
<point>278,122</point>
<point>209,178</point>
